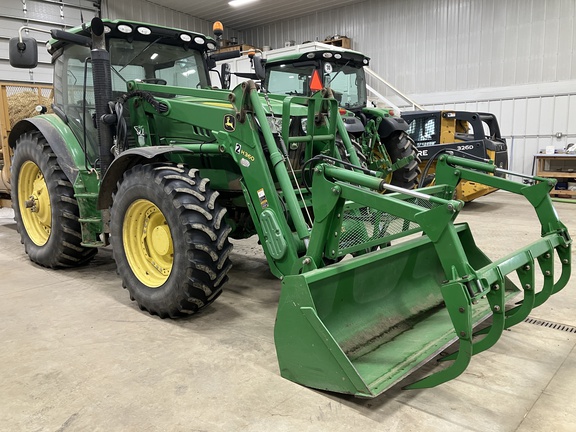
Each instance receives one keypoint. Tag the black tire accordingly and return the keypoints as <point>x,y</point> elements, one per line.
<point>198,248</point>
<point>48,225</point>
<point>357,147</point>
<point>399,145</point>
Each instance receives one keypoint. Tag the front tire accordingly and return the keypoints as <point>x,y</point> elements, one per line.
<point>45,209</point>
<point>170,240</point>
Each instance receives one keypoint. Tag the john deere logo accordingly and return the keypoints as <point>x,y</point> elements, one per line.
<point>229,122</point>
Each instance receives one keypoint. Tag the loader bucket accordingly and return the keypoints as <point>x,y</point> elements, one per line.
<point>361,325</point>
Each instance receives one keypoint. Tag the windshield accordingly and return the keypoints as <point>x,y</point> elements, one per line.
<point>289,79</point>
<point>158,63</point>
<point>347,82</point>
<point>423,131</point>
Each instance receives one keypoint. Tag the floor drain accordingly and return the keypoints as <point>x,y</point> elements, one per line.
<point>552,325</point>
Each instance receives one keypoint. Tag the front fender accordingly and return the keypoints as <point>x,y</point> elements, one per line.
<point>125,161</point>
<point>63,142</point>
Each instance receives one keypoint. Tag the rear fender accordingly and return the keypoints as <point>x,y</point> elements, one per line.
<point>353,125</point>
<point>127,160</point>
<point>63,143</point>
<point>388,125</point>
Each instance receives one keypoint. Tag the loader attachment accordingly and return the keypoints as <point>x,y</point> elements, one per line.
<point>362,324</point>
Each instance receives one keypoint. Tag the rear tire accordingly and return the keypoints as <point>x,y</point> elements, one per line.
<point>170,240</point>
<point>399,145</point>
<point>45,210</point>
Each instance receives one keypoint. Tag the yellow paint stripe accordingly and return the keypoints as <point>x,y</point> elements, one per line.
<point>219,104</point>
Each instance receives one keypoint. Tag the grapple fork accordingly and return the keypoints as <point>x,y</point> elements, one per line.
<point>361,325</point>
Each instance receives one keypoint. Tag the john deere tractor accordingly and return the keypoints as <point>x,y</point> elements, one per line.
<point>141,151</point>
<point>380,139</point>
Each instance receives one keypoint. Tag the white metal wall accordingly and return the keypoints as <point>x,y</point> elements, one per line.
<point>43,14</point>
<point>516,58</point>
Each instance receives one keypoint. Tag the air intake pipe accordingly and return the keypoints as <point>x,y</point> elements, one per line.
<point>102,91</point>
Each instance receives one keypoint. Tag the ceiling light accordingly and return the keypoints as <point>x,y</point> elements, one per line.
<point>236,3</point>
<point>153,56</point>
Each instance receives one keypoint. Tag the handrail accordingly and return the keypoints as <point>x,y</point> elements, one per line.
<point>415,106</point>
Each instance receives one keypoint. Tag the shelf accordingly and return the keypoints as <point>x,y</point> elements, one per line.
<point>566,193</point>
<point>558,166</point>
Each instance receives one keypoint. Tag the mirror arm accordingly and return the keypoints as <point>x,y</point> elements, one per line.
<point>28,28</point>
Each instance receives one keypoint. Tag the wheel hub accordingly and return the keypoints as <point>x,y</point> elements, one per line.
<point>161,240</point>
<point>148,243</point>
<point>36,210</point>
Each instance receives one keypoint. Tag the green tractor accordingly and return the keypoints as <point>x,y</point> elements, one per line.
<point>141,151</point>
<point>379,137</point>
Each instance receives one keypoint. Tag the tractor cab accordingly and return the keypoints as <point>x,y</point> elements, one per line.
<point>138,52</point>
<point>303,74</point>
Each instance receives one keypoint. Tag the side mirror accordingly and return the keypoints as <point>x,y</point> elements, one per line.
<point>259,69</point>
<point>225,75</point>
<point>23,54</point>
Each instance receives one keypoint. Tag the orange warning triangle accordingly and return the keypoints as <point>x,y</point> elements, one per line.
<point>316,82</point>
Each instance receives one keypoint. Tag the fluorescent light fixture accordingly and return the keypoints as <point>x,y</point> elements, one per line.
<point>236,3</point>
<point>153,56</point>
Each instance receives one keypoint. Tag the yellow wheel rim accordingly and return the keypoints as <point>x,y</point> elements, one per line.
<point>378,155</point>
<point>148,243</point>
<point>34,203</point>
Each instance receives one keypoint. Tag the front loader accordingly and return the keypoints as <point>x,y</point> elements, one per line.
<point>141,151</point>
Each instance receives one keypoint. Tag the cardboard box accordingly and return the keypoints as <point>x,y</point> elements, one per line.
<point>239,47</point>
<point>342,42</point>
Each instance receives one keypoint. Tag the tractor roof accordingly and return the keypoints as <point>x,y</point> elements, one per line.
<point>125,29</point>
<point>339,55</point>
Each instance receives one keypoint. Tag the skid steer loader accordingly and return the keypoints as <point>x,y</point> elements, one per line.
<point>140,150</point>
<point>472,134</point>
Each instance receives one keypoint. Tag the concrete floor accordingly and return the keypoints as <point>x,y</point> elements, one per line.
<point>77,354</point>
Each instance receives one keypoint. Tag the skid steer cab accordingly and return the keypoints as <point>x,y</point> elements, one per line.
<point>142,151</point>
<point>473,135</point>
